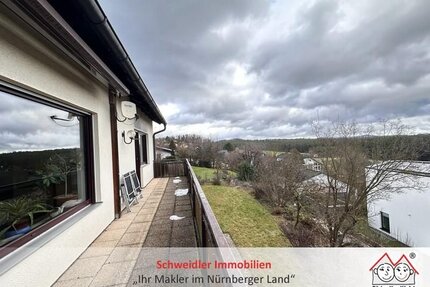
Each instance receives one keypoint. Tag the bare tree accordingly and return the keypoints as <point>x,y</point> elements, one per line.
<point>282,182</point>
<point>361,164</point>
<point>233,160</point>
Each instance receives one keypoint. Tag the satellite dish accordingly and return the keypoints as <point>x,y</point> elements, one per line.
<point>128,109</point>
<point>131,134</point>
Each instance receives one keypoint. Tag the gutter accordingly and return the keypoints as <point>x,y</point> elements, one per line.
<point>153,137</point>
<point>98,18</point>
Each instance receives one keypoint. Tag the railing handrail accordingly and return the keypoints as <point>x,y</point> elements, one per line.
<point>208,222</point>
<point>215,229</point>
<point>168,161</point>
<point>169,168</point>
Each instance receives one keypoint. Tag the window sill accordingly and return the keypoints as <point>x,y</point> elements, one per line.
<point>384,230</point>
<point>16,256</point>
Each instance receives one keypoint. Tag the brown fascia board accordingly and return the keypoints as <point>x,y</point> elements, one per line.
<point>42,17</point>
<point>111,50</point>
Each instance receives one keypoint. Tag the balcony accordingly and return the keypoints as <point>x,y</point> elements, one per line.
<point>116,256</point>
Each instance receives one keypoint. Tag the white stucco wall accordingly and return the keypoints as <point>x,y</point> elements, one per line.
<point>127,151</point>
<point>409,212</point>
<point>144,124</point>
<point>27,61</point>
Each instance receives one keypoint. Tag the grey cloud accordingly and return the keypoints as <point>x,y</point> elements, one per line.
<point>308,65</point>
<point>172,43</point>
<point>379,47</point>
<point>26,125</point>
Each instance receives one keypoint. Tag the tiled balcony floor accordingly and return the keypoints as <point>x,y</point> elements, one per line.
<point>111,259</point>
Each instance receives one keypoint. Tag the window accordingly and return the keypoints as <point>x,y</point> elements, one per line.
<point>44,166</point>
<point>385,222</point>
<point>141,148</point>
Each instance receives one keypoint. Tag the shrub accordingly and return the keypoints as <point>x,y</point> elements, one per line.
<point>216,181</point>
<point>245,171</point>
<point>290,213</point>
<point>205,163</point>
<point>299,236</point>
<point>225,175</point>
<point>259,193</point>
<point>305,234</point>
<point>278,210</point>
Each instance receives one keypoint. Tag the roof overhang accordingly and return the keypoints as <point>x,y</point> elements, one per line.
<point>82,31</point>
<point>45,20</point>
<point>87,18</point>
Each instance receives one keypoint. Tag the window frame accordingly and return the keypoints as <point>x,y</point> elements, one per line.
<point>142,147</point>
<point>385,216</point>
<point>89,161</point>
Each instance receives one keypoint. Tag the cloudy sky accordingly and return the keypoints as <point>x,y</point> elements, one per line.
<point>267,69</point>
<point>27,125</point>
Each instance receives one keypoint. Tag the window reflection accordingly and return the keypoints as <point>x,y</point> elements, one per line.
<point>42,164</point>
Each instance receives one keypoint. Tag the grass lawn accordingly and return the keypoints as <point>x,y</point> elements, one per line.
<point>208,173</point>
<point>204,172</point>
<point>247,221</point>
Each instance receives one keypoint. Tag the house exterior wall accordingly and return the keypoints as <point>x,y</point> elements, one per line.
<point>126,152</point>
<point>144,124</point>
<point>408,213</point>
<point>312,164</point>
<point>29,62</point>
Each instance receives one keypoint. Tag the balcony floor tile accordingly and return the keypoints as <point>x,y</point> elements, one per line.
<point>112,257</point>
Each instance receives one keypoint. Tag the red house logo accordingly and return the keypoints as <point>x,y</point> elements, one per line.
<point>386,272</point>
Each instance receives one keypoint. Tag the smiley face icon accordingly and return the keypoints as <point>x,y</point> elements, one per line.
<point>385,272</point>
<point>402,272</point>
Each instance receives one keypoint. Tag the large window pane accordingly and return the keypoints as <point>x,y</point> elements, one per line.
<point>42,164</point>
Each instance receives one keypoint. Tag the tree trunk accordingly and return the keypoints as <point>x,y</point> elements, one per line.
<point>299,207</point>
<point>333,237</point>
<point>65,185</point>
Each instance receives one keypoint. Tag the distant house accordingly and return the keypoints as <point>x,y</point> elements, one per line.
<point>75,116</point>
<point>322,184</point>
<point>325,182</point>
<point>162,152</point>
<point>312,164</point>
<point>405,214</point>
<point>280,156</point>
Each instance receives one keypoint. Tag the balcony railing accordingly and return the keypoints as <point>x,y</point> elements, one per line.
<point>169,168</point>
<point>209,233</point>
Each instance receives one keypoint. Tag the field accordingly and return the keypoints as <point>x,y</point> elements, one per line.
<point>207,174</point>
<point>241,216</point>
<point>204,172</point>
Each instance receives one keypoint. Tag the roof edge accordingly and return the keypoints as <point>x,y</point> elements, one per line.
<point>101,23</point>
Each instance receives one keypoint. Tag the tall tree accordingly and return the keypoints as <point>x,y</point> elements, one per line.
<point>358,171</point>
<point>228,146</point>
<point>172,145</point>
